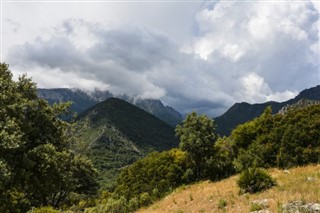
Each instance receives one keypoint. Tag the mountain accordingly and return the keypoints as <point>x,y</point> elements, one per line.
<point>115,133</point>
<point>242,112</point>
<point>82,101</point>
<point>156,107</point>
<point>302,103</point>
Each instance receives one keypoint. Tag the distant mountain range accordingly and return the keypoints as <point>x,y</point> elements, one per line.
<point>115,133</point>
<point>82,101</point>
<point>242,112</point>
<point>239,113</point>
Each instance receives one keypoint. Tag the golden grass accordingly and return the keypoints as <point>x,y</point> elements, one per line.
<point>301,183</point>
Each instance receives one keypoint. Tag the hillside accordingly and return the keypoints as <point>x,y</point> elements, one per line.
<point>116,133</point>
<point>83,100</point>
<point>297,184</point>
<point>242,112</point>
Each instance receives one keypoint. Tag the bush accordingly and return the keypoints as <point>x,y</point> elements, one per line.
<point>222,204</point>
<point>46,209</point>
<point>254,180</point>
<point>112,206</point>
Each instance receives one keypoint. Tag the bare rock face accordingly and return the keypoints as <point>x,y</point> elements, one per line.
<point>299,206</point>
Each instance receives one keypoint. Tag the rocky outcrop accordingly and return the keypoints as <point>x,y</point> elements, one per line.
<point>299,206</point>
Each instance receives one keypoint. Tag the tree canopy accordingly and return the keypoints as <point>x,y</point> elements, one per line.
<point>37,166</point>
<point>197,138</point>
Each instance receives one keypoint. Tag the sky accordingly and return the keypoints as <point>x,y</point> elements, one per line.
<point>199,56</point>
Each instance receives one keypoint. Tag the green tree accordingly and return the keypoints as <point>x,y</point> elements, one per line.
<point>156,174</point>
<point>283,140</point>
<point>252,142</point>
<point>197,138</point>
<point>37,165</point>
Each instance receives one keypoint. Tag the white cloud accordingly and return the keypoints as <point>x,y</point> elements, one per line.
<point>232,51</point>
<point>255,89</point>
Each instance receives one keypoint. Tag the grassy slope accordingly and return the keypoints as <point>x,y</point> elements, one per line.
<point>205,196</point>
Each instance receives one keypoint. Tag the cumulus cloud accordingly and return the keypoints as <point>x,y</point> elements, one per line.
<point>255,89</point>
<point>276,40</point>
<point>253,52</point>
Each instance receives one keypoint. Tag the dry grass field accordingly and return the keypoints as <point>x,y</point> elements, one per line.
<point>296,184</point>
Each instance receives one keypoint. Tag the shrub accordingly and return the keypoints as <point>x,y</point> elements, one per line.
<point>145,199</point>
<point>112,206</point>
<point>254,180</point>
<point>256,207</point>
<point>46,209</point>
<point>222,204</point>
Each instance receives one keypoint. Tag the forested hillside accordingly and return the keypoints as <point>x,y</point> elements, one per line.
<point>270,141</point>
<point>50,165</point>
<point>116,133</point>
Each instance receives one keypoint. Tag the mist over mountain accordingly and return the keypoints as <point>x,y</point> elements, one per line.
<point>82,100</point>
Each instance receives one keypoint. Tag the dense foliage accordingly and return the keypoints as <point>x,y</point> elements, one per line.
<point>37,166</point>
<point>254,180</point>
<point>41,165</point>
<point>155,174</point>
<point>145,181</point>
<point>197,138</point>
<point>283,140</point>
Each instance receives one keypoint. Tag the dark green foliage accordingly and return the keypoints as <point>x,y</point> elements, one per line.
<point>285,140</point>
<point>136,124</point>
<point>300,138</point>
<point>221,164</point>
<point>254,180</point>
<point>152,177</point>
<point>37,165</point>
<point>197,138</point>
<point>115,134</point>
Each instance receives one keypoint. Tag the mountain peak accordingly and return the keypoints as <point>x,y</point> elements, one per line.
<point>83,100</point>
<point>242,112</point>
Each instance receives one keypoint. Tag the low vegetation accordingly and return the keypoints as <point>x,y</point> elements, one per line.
<point>296,184</point>
<point>253,180</point>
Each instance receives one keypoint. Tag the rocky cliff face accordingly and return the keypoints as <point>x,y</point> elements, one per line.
<point>156,107</point>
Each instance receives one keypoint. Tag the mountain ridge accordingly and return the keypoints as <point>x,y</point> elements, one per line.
<point>242,112</point>
<point>116,133</point>
<point>83,100</point>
